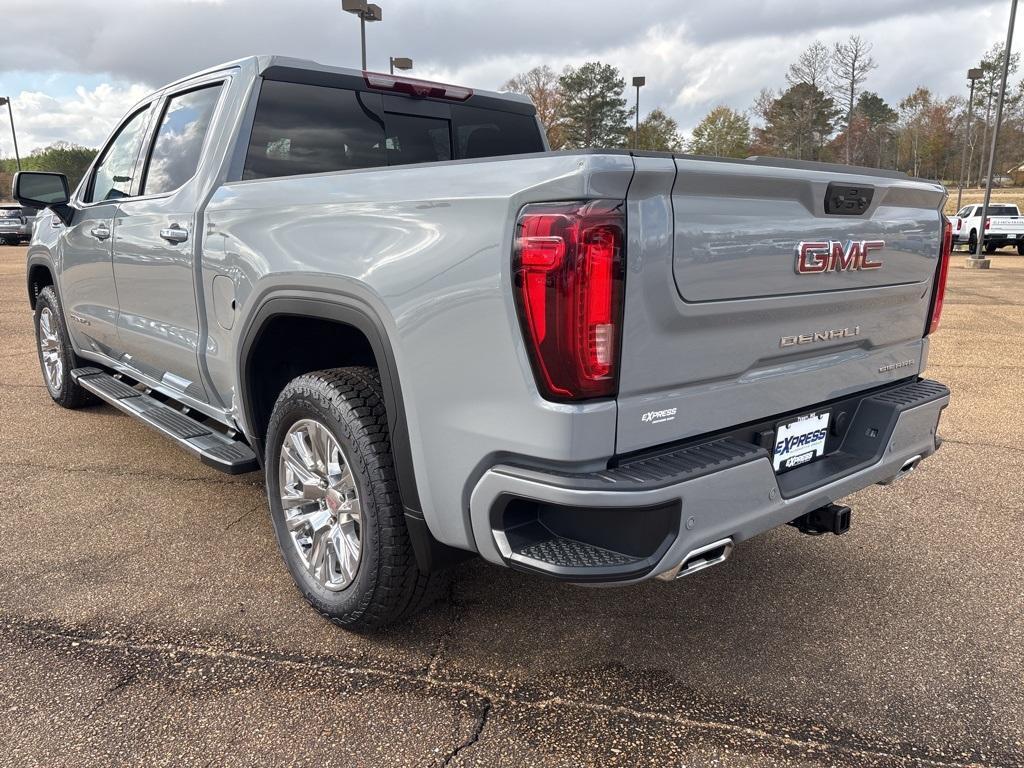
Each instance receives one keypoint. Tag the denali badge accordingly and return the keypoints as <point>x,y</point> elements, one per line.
<point>834,256</point>
<point>811,338</point>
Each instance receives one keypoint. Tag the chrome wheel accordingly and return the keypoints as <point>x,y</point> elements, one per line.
<point>49,350</point>
<point>321,504</point>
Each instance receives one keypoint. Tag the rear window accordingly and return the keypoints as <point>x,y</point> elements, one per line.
<point>300,128</point>
<point>311,129</point>
<point>1001,210</point>
<point>417,139</point>
<point>489,133</point>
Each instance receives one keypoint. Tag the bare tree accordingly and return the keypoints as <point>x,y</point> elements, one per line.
<point>812,67</point>
<point>851,64</point>
<point>541,85</point>
<point>764,102</point>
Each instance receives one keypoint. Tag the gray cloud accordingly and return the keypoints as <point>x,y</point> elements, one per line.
<point>694,55</point>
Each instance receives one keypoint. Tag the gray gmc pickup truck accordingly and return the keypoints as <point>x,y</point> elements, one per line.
<point>437,338</point>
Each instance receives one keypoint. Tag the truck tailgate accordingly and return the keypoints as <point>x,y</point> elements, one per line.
<point>1005,224</point>
<point>723,326</point>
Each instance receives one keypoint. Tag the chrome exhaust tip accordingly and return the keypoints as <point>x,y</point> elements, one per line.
<point>699,559</point>
<point>908,466</point>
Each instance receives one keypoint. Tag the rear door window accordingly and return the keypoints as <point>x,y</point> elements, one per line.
<point>179,140</point>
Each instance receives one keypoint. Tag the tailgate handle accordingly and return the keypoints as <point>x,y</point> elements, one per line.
<point>848,199</point>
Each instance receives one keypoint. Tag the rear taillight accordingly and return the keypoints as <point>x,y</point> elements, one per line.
<point>941,273</point>
<point>988,224</point>
<point>568,272</point>
<point>413,87</point>
<point>959,224</point>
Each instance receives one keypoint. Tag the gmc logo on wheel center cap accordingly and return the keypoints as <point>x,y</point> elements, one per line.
<point>835,256</point>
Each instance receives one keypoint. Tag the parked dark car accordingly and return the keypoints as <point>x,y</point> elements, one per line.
<point>16,224</point>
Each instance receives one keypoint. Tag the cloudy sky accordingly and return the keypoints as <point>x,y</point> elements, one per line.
<point>74,66</point>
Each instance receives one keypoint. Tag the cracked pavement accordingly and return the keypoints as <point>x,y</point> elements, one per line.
<point>146,618</point>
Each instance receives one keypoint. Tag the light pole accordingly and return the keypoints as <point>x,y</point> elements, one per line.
<point>6,100</point>
<point>638,82</point>
<point>366,12</point>
<point>400,62</point>
<point>975,260</point>
<point>974,75</point>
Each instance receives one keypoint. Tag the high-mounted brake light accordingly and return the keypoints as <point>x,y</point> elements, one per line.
<point>419,88</point>
<point>568,271</point>
<point>941,273</point>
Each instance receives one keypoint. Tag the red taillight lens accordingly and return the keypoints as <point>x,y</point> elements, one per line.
<point>988,224</point>
<point>940,278</point>
<point>959,224</point>
<point>568,273</point>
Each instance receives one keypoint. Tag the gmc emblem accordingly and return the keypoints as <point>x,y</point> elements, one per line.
<point>834,256</point>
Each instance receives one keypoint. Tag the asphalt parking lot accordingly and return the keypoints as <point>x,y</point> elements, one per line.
<point>145,616</point>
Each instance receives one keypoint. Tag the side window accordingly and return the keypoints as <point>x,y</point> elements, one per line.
<point>416,139</point>
<point>302,128</point>
<point>179,139</point>
<point>112,178</point>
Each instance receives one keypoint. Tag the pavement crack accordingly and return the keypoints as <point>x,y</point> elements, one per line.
<point>127,679</point>
<point>474,736</point>
<point>243,516</point>
<point>442,643</point>
<point>857,751</point>
<point>112,472</point>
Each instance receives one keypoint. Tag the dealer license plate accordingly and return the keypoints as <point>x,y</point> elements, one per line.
<point>801,441</point>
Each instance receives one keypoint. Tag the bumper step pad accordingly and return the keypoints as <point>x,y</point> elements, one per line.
<point>568,553</point>
<point>212,447</point>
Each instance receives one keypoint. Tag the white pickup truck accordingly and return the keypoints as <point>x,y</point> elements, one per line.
<point>1005,227</point>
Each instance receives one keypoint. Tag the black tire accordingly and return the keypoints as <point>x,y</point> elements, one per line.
<point>1020,249</point>
<point>64,391</point>
<point>991,248</point>
<point>972,242</point>
<point>388,585</point>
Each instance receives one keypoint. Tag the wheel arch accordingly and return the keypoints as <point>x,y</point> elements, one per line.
<point>39,275</point>
<point>350,313</point>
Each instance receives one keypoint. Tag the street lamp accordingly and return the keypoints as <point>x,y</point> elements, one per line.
<point>366,12</point>
<point>638,82</point>
<point>974,75</point>
<point>400,62</point>
<point>975,259</point>
<point>6,100</point>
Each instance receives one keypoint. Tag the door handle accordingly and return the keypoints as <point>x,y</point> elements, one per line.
<point>174,234</point>
<point>100,232</point>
